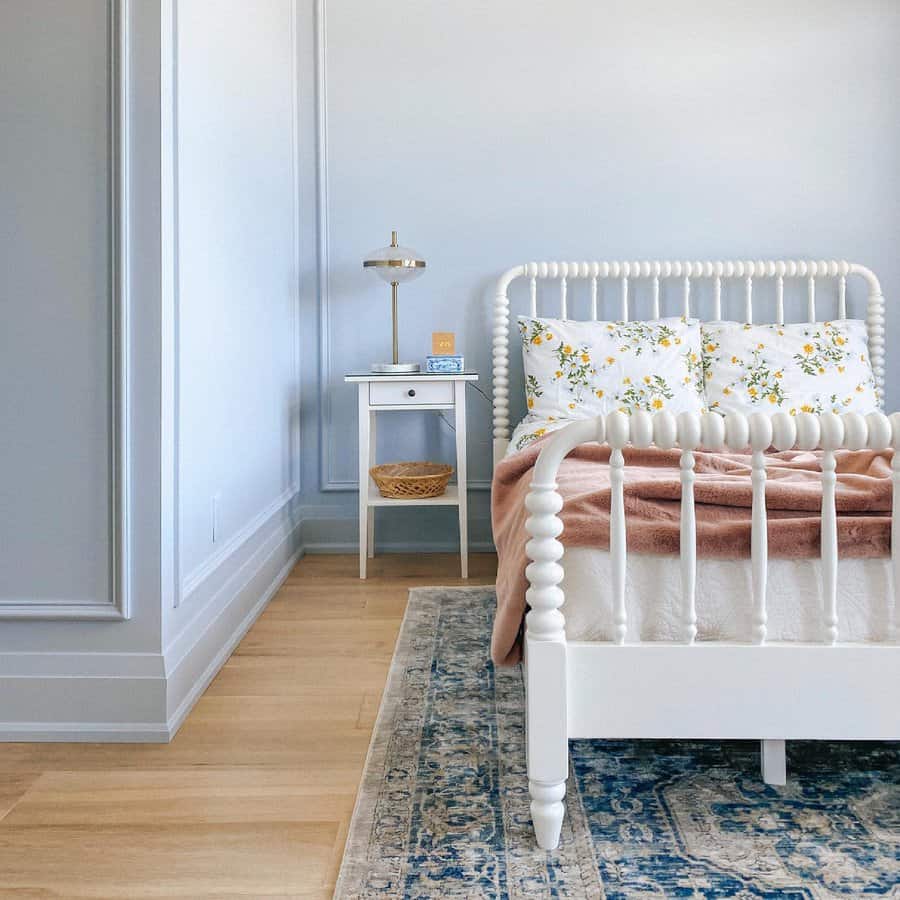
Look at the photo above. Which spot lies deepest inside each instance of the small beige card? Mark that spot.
(443, 343)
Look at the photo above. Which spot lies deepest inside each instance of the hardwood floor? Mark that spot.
(254, 796)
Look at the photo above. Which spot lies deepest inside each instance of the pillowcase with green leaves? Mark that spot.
(799, 367)
(576, 370)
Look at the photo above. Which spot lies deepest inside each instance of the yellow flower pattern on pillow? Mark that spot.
(574, 370)
(800, 367)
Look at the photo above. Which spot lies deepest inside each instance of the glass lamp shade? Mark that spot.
(395, 264)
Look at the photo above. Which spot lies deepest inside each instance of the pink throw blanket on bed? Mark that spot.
(722, 494)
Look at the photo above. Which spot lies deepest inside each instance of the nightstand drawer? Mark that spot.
(410, 393)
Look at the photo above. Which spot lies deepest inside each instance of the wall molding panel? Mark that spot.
(169, 351)
(117, 605)
(326, 483)
(325, 370)
(178, 585)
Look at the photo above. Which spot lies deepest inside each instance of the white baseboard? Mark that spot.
(143, 697)
(115, 706)
(84, 732)
(327, 530)
(325, 547)
(214, 641)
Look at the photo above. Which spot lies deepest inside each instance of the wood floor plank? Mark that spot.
(253, 797)
(13, 785)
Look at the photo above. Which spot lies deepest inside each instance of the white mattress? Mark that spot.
(724, 592)
(724, 598)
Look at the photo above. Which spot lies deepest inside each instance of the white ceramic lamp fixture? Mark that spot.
(395, 264)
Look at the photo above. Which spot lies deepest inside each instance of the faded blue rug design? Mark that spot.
(443, 805)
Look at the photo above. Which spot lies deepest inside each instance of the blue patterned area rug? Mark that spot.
(443, 805)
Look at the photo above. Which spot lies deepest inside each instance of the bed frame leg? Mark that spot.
(547, 740)
(774, 764)
(547, 812)
(546, 716)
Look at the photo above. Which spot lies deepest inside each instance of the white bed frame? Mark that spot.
(766, 690)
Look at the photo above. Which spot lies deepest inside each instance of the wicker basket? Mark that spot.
(411, 480)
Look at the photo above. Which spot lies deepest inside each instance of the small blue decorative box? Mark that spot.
(444, 365)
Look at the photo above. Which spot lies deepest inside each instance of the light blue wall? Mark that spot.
(236, 271)
(491, 134)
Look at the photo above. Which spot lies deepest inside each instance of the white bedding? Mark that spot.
(724, 590)
(531, 428)
(724, 598)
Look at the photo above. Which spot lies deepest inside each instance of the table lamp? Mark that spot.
(395, 264)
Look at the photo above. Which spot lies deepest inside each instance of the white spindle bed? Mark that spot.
(766, 690)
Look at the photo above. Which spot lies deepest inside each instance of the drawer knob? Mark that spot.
(411, 392)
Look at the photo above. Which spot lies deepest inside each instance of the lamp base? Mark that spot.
(395, 368)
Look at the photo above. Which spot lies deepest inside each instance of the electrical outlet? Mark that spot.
(214, 516)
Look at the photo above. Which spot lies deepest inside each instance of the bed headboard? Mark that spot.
(657, 271)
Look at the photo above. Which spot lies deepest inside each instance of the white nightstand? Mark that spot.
(382, 393)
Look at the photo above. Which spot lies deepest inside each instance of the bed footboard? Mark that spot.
(764, 690)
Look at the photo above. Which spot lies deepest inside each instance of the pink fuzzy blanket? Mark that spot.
(722, 494)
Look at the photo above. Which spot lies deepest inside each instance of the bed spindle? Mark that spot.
(779, 300)
(617, 434)
(688, 439)
(563, 298)
(748, 298)
(811, 298)
(842, 297)
(831, 438)
(687, 296)
(624, 298)
(533, 296)
(717, 297)
(759, 435)
(829, 546)
(594, 299)
(656, 296)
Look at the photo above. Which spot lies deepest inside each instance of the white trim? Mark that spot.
(85, 733)
(322, 247)
(169, 350)
(144, 684)
(296, 437)
(330, 530)
(120, 215)
(199, 683)
(117, 605)
(330, 548)
(47, 664)
(208, 567)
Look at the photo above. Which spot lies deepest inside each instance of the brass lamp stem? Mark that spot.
(394, 317)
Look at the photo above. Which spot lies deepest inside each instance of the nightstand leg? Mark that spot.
(372, 454)
(364, 449)
(460, 408)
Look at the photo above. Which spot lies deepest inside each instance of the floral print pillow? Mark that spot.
(800, 367)
(575, 370)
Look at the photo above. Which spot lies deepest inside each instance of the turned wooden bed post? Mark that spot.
(545, 641)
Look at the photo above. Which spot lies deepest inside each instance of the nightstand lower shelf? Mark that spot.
(449, 498)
